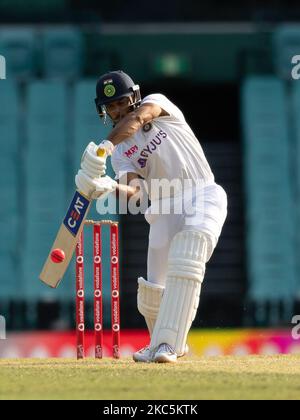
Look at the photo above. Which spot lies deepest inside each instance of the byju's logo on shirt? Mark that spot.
(132, 151)
(151, 147)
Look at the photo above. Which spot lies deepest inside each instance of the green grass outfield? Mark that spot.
(192, 378)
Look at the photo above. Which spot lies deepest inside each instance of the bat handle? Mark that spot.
(101, 152)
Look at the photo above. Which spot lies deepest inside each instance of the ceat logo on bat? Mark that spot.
(76, 213)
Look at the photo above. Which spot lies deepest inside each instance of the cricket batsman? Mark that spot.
(151, 140)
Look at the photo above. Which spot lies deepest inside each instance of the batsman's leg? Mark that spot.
(188, 255)
(148, 300)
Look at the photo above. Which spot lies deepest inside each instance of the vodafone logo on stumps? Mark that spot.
(114, 260)
(98, 294)
(98, 327)
(81, 327)
(80, 294)
(116, 327)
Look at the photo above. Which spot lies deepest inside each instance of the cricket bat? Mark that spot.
(67, 237)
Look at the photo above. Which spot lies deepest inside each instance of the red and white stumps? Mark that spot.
(115, 289)
(98, 303)
(80, 325)
(98, 289)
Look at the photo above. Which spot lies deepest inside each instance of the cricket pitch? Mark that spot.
(234, 378)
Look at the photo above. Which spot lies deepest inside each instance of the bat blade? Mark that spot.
(66, 240)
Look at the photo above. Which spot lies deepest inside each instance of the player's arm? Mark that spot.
(130, 124)
(128, 186)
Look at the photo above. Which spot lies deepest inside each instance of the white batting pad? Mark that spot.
(149, 299)
(186, 269)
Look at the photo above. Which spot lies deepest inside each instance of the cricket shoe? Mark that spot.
(145, 355)
(165, 354)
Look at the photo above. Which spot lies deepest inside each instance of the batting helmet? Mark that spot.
(113, 86)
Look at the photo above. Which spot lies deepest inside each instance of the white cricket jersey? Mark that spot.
(166, 148)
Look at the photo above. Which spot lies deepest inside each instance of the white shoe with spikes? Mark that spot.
(144, 355)
(165, 354)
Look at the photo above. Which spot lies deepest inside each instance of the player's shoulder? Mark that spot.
(156, 98)
(161, 100)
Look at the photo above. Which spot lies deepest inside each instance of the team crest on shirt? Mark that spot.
(147, 127)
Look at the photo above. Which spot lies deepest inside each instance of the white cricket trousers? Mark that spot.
(206, 215)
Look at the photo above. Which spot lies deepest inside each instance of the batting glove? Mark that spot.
(107, 146)
(93, 165)
(94, 187)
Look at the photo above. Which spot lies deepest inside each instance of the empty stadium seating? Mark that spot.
(19, 47)
(62, 52)
(286, 45)
(11, 209)
(269, 206)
